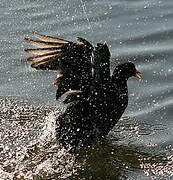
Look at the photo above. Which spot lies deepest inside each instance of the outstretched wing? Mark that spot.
(71, 59)
(100, 77)
(101, 64)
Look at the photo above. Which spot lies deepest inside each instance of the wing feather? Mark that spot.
(43, 58)
(101, 63)
(50, 39)
(43, 51)
(83, 41)
(43, 44)
(72, 59)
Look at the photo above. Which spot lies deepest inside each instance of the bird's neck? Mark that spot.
(120, 84)
(120, 97)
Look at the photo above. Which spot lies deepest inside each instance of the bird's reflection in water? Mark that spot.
(108, 161)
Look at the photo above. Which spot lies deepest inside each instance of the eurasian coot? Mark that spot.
(96, 100)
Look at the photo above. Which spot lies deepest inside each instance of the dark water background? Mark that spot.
(141, 144)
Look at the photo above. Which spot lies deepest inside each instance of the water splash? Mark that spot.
(30, 150)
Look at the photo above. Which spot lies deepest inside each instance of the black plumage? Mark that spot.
(96, 100)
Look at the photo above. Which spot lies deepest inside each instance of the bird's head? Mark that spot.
(125, 71)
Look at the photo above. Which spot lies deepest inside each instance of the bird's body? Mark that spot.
(96, 100)
(89, 119)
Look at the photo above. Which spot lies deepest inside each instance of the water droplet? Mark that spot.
(110, 7)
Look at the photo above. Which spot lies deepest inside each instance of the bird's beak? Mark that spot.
(137, 74)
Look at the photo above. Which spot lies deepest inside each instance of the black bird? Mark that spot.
(96, 100)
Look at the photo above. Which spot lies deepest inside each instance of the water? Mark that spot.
(140, 146)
